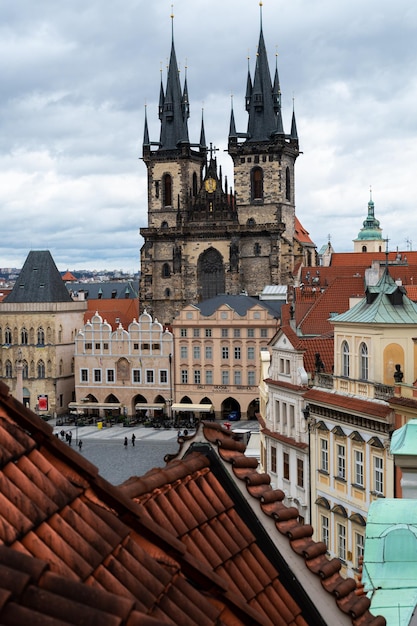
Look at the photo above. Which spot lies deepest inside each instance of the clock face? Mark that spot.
(210, 185)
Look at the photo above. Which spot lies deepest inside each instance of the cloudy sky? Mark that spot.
(76, 75)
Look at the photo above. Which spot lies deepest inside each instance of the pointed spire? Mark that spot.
(232, 127)
(203, 144)
(173, 106)
(262, 98)
(294, 134)
(146, 131)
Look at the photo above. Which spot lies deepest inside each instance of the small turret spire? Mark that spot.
(294, 134)
(146, 131)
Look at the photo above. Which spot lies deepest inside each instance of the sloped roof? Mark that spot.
(386, 303)
(240, 304)
(313, 313)
(181, 545)
(114, 312)
(106, 290)
(390, 568)
(39, 281)
(301, 234)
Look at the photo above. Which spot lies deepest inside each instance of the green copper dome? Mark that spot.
(371, 228)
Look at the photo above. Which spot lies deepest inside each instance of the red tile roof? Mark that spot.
(373, 408)
(114, 311)
(301, 234)
(176, 546)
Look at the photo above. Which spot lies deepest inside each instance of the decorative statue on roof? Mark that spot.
(319, 365)
(398, 374)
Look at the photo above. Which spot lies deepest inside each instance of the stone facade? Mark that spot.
(40, 337)
(201, 238)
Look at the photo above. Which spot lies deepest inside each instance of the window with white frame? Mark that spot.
(379, 474)
(225, 377)
(209, 352)
(207, 332)
(364, 362)
(324, 524)
(286, 466)
(97, 376)
(197, 377)
(184, 376)
(163, 376)
(358, 467)
(345, 358)
(264, 333)
(237, 377)
(237, 353)
(251, 353)
(236, 332)
(225, 352)
(136, 376)
(251, 332)
(84, 375)
(183, 352)
(324, 455)
(341, 461)
(284, 414)
(225, 332)
(196, 352)
(341, 541)
(183, 332)
(196, 332)
(359, 549)
(150, 377)
(209, 377)
(291, 409)
(251, 377)
(110, 376)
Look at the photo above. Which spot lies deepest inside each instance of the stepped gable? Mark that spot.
(180, 545)
(193, 497)
(39, 281)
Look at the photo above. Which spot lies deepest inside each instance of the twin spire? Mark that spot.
(262, 101)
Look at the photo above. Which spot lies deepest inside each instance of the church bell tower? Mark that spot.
(202, 238)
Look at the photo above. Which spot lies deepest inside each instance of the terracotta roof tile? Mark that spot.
(185, 544)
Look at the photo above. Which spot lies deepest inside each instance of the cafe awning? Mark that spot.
(144, 405)
(197, 408)
(94, 405)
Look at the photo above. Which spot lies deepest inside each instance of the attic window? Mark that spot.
(113, 293)
(42, 285)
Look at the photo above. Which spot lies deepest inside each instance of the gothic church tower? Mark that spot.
(201, 238)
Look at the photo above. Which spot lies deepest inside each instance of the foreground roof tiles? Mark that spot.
(195, 542)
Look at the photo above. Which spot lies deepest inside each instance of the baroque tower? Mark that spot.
(201, 238)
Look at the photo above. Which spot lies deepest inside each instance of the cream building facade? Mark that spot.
(38, 324)
(217, 349)
(123, 372)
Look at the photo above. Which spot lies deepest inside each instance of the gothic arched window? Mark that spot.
(41, 337)
(166, 270)
(24, 337)
(167, 190)
(195, 184)
(345, 359)
(257, 183)
(211, 276)
(41, 369)
(8, 336)
(9, 369)
(287, 184)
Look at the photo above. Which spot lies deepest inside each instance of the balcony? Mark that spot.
(361, 388)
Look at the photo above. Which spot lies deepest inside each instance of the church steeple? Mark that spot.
(174, 109)
(263, 100)
(369, 238)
